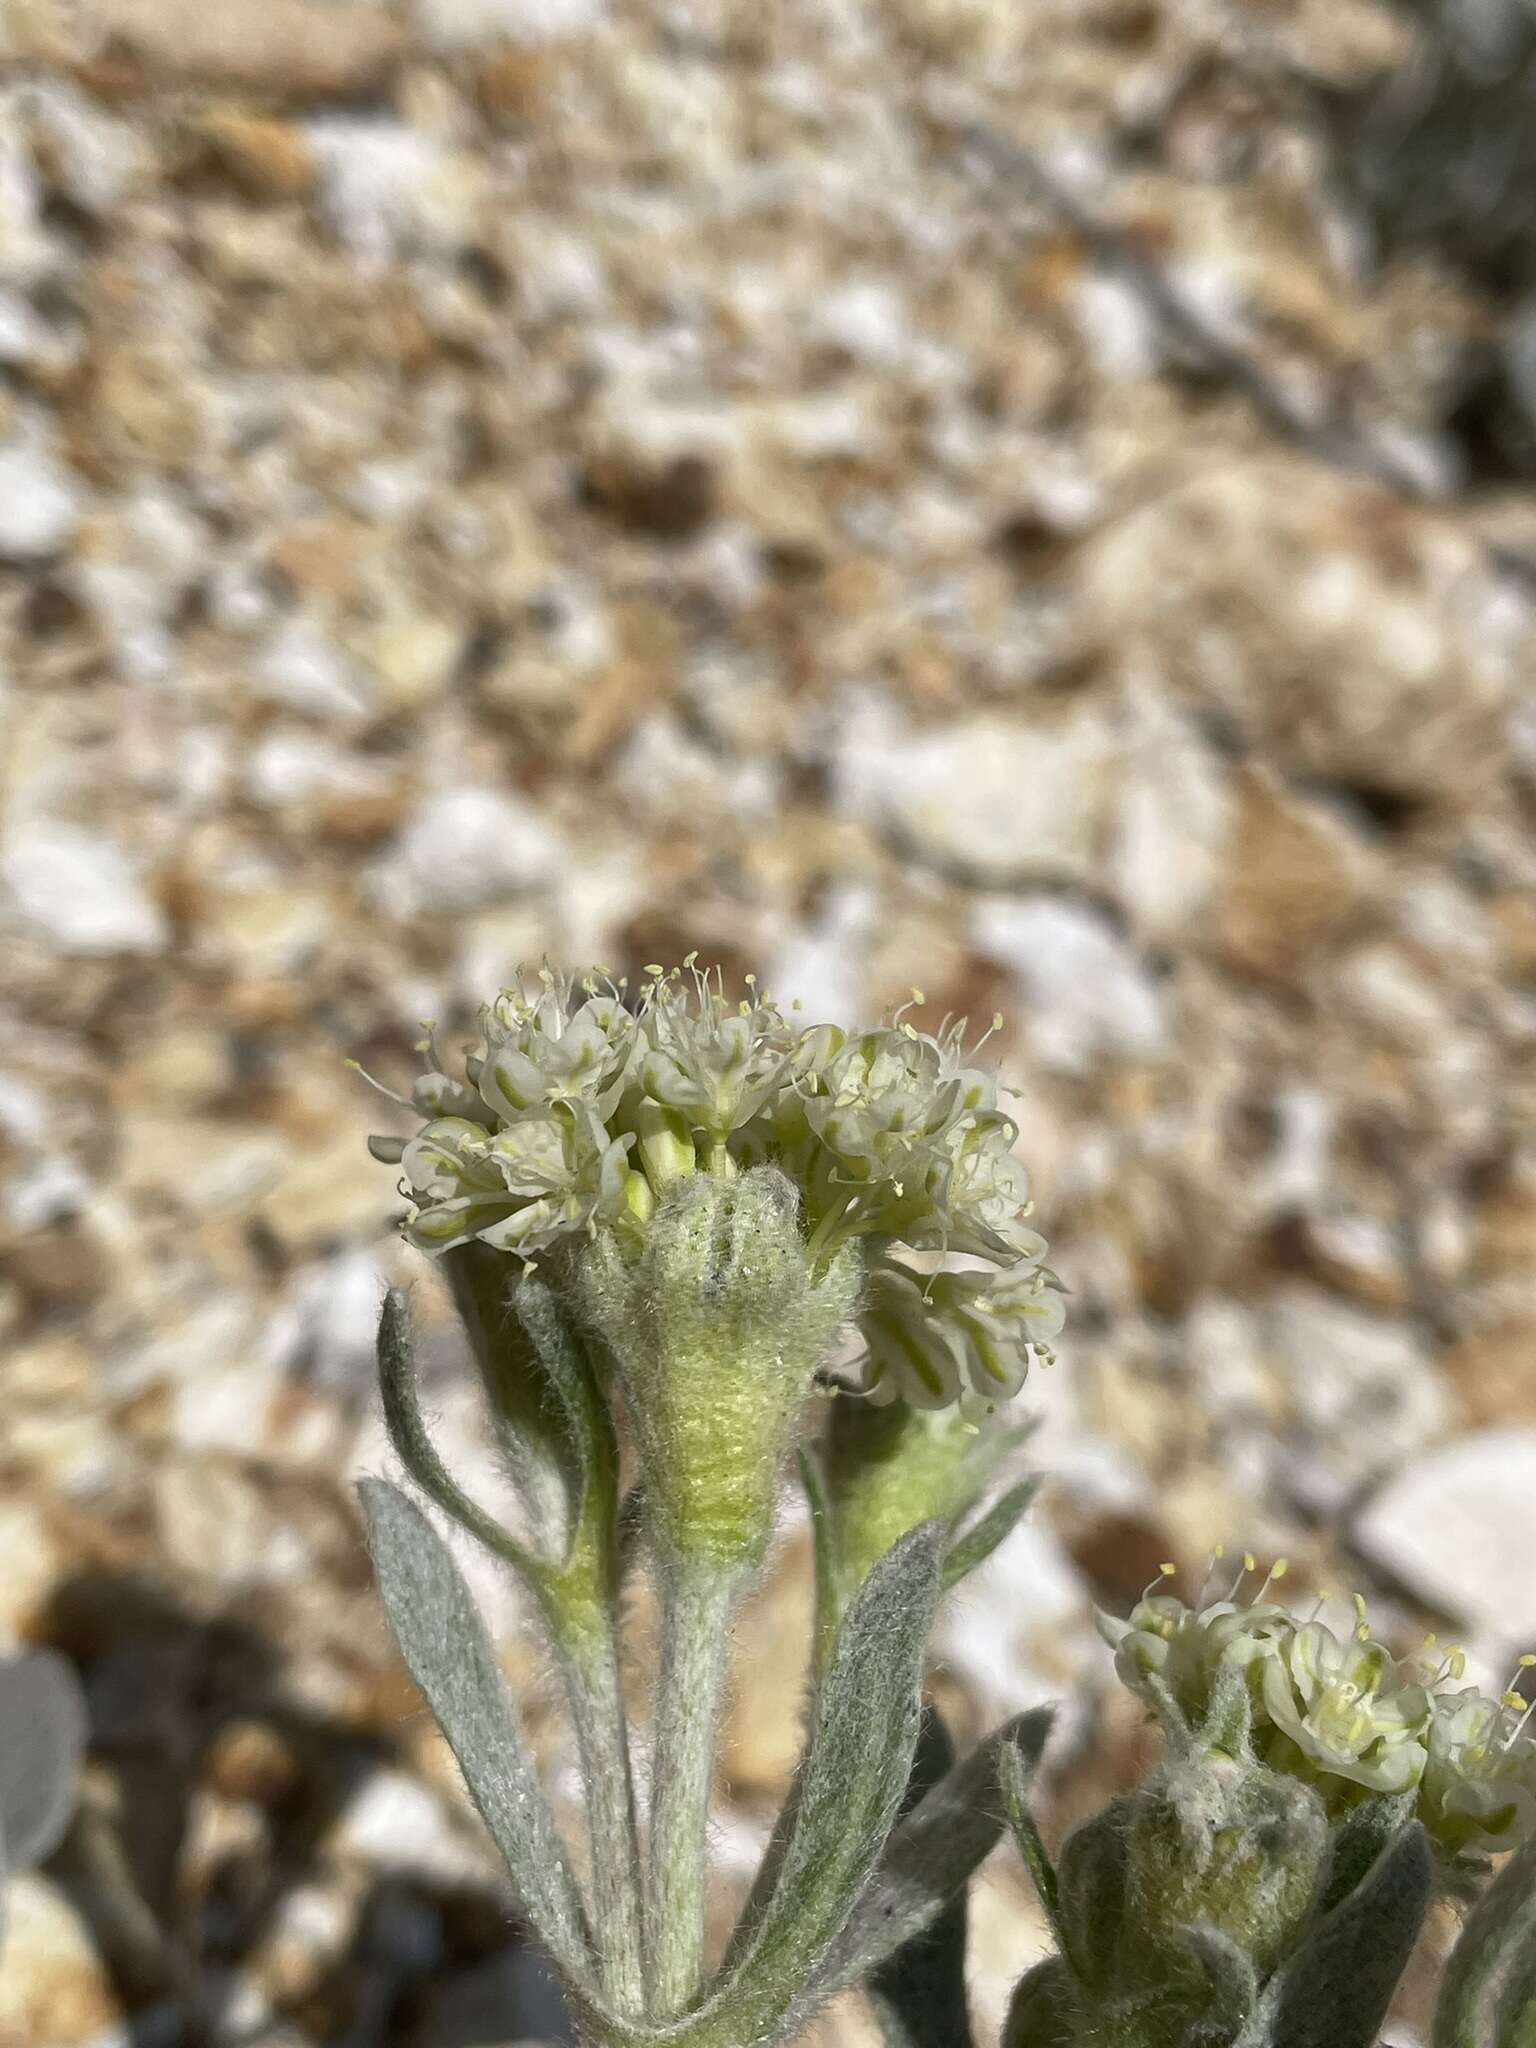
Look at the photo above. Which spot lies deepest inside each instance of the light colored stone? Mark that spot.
(1360, 1388)
(469, 24)
(466, 847)
(302, 668)
(388, 189)
(1085, 997)
(1458, 1526)
(291, 47)
(994, 800)
(40, 504)
(80, 889)
(1358, 638)
(55, 1986)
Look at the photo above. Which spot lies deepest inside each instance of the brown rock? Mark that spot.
(1492, 1372)
(266, 157)
(1358, 638)
(293, 48)
(674, 500)
(1296, 883)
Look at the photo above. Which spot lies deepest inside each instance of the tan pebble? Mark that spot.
(268, 158)
(55, 1987)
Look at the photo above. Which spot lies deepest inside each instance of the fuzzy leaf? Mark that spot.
(448, 1653)
(1015, 1772)
(415, 1449)
(1040, 2015)
(844, 1801)
(1229, 1717)
(1090, 1899)
(1365, 1832)
(551, 1421)
(1230, 1986)
(918, 1993)
(1488, 1993)
(1335, 1991)
(934, 1851)
(42, 1741)
(973, 1546)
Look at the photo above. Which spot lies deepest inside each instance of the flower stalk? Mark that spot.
(675, 1222)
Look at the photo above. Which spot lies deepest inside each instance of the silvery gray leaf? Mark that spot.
(917, 1994)
(844, 1801)
(973, 1546)
(934, 1850)
(42, 1741)
(448, 1653)
(1488, 1992)
(1334, 1993)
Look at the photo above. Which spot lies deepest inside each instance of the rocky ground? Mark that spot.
(482, 479)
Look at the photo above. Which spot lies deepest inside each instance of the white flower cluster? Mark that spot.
(1344, 1715)
(578, 1110)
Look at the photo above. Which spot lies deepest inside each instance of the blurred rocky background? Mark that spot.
(1026, 499)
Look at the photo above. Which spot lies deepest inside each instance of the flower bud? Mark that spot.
(718, 1328)
(1226, 1844)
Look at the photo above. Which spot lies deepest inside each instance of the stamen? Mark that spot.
(1217, 1555)
(357, 1067)
(1276, 1572)
(1165, 1570)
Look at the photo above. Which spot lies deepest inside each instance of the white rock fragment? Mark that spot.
(388, 190)
(1085, 994)
(1020, 1620)
(81, 890)
(302, 669)
(1458, 1526)
(868, 322)
(996, 800)
(397, 1823)
(467, 24)
(467, 847)
(1361, 1388)
(39, 504)
(823, 966)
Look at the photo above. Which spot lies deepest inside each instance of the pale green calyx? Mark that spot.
(718, 1329)
(581, 1108)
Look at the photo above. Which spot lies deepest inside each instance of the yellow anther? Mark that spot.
(1167, 1569)
(1528, 1661)
(1280, 1567)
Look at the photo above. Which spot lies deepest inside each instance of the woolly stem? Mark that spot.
(591, 1669)
(698, 1598)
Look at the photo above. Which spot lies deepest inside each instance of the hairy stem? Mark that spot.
(602, 1738)
(697, 1601)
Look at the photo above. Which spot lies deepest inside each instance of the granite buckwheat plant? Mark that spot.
(709, 1235)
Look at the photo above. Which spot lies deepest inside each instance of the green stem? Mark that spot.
(591, 1665)
(698, 1598)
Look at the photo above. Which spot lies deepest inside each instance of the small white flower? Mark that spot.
(580, 1112)
(1345, 1708)
(1479, 1786)
(543, 1050)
